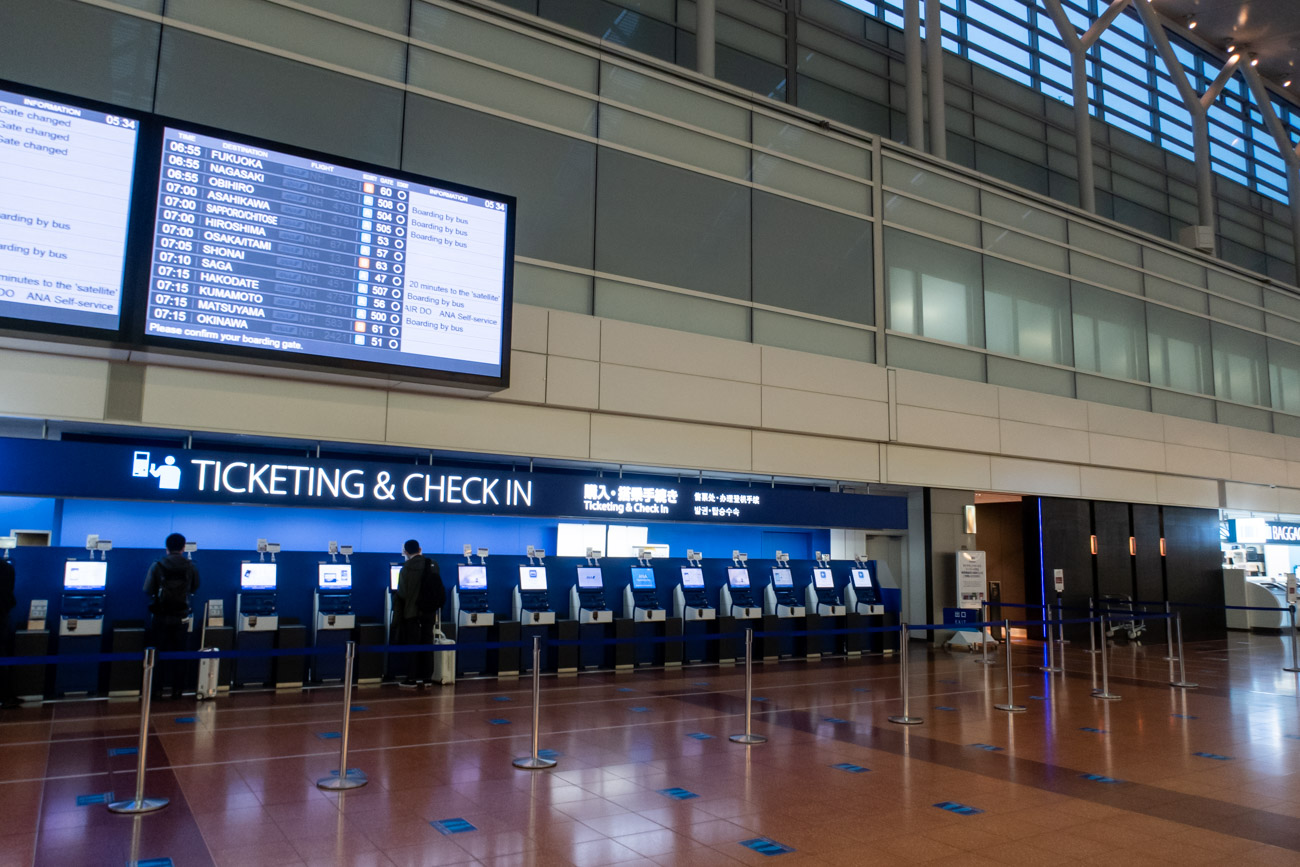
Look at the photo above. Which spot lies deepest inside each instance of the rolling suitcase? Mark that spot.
(208, 668)
(444, 661)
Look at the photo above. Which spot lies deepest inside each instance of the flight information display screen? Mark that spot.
(781, 577)
(589, 578)
(66, 174)
(643, 578)
(280, 256)
(738, 578)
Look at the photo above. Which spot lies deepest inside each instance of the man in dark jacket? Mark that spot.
(169, 585)
(7, 603)
(420, 605)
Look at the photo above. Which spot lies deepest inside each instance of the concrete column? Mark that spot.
(706, 20)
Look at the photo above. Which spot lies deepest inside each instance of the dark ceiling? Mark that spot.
(1270, 29)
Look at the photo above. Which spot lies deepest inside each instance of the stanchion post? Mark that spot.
(1105, 692)
(1011, 706)
(1182, 682)
(1169, 639)
(1060, 629)
(535, 762)
(1295, 654)
(749, 737)
(906, 718)
(986, 634)
(348, 778)
(141, 804)
(1051, 666)
(1092, 637)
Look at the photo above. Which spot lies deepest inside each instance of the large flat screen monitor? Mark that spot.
(85, 575)
(394, 573)
(692, 576)
(643, 578)
(738, 578)
(290, 256)
(823, 580)
(589, 578)
(257, 576)
(334, 576)
(66, 178)
(472, 578)
(532, 577)
(781, 577)
(862, 579)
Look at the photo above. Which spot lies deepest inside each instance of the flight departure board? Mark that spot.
(66, 175)
(280, 255)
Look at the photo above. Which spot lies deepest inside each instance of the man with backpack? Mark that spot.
(420, 590)
(169, 585)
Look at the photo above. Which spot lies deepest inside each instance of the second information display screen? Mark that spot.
(258, 249)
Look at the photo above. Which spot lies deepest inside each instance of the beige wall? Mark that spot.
(586, 388)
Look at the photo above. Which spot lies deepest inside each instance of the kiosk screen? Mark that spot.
(782, 578)
(532, 577)
(85, 575)
(692, 576)
(589, 578)
(862, 579)
(334, 576)
(738, 578)
(643, 578)
(257, 576)
(472, 578)
(822, 579)
(394, 572)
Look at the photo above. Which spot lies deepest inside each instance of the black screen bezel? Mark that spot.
(115, 337)
(149, 167)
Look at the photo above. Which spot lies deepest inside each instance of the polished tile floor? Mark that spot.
(1209, 776)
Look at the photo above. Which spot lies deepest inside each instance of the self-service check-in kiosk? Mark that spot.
(862, 596)
(334, 619)
(690, 602)
(81, 623)
(821, 594)
(640, 598)
(531, 605)
(469, 599)
(256, 617)
(587, 597)
(737, 596)
(779, 596)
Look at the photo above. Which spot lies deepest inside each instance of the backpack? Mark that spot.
(173, 590)
(432, 595)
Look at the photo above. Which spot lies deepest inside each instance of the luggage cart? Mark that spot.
(1132, 628)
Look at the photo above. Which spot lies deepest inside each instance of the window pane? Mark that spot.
(1239, 365)
(1027, 312)
(934, 289)
(1178, 346)
(1109, 333)
(1284, 375)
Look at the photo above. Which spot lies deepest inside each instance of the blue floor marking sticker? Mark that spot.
(678, 794)
(499, 722)
(861, 689)
(948, 681)
(351, 772)
(358, 708)
(1098, 778)
(502, 698)
(626, 689)
(123, 751)
(943, 707)
(700, 736)
(186, 720)
(549, 754)
(1039, 697)
(700, 683)
(833, 719)
(766, 846)
(329, 736)
(155, 862)
(1213, 756)
(453, 826)
(1093, 730)
(959, 809)
(639, 709)
(989, 747)
(1182, 716)
(87, 800)
(759, 698)
(851, 768)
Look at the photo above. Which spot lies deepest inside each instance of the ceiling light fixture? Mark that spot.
(1191, 22)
